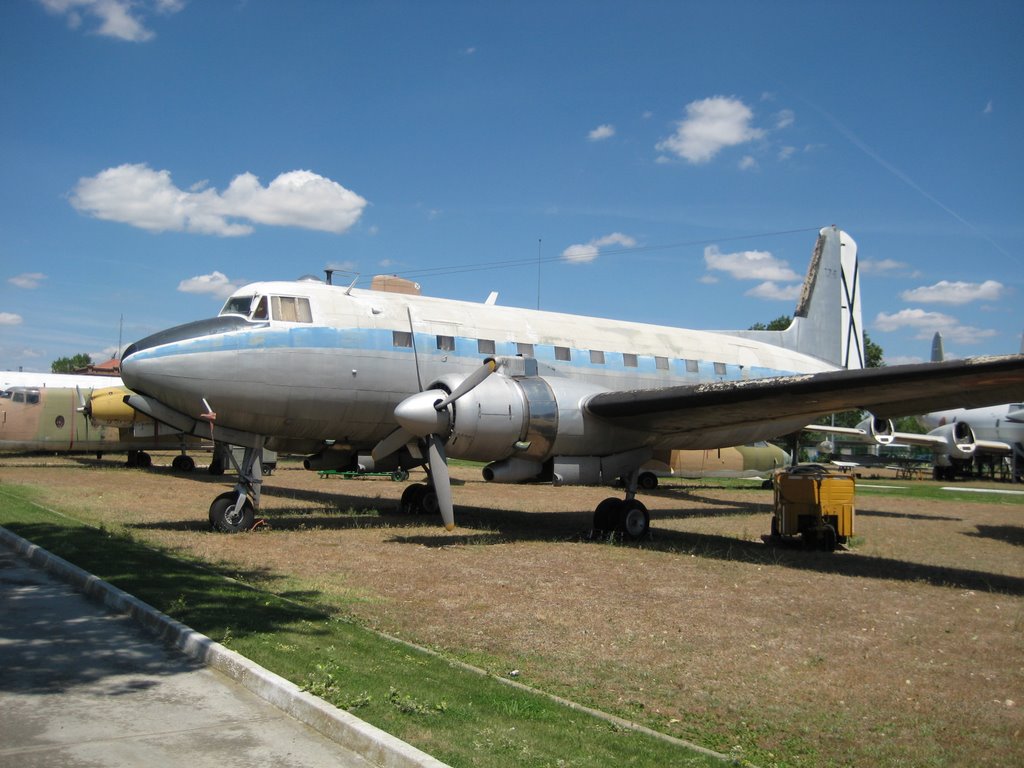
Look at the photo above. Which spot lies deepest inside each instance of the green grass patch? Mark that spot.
(934, 492)
(459, 717)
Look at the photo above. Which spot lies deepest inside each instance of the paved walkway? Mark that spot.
(82, 687)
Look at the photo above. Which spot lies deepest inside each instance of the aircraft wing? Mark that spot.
(796, 400)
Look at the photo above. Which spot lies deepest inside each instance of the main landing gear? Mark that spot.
(235, 510)
(626, 516)
(419, 499)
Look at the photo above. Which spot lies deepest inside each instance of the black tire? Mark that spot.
(429, 504)
(225, 518)
(183, 463)
(606, 515)
(411, 496)
(400, 475)
(634, 520)
(828, 540)
(144, 460)
(648, 481)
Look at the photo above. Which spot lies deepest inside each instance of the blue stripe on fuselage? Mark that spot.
(382, 340)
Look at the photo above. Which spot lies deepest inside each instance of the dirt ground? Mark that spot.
(906, 650)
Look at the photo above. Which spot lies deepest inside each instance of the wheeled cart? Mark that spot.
(815, 504)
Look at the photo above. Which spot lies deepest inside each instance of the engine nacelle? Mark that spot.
(513, 470)
(959, 439)
(328, 458)
(528, 417)
(880, 430)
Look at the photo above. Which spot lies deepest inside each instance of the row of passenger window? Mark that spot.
(403, 339)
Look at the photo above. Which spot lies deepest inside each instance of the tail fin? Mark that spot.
(827, 320)
(938, 352)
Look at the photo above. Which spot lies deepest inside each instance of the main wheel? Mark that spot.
(183, 463)
(225, 515)
(648, 481)
(634, 519)
(606, 515)
(411, 499)
(429, 504)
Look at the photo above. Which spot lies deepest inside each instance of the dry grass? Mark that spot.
(908, 650)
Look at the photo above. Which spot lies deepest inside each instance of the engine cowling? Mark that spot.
(526, 417)
(880, 430)
(959, 439)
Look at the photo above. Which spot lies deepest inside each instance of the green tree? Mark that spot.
(70, 364)
(780, 323)
(873, 358)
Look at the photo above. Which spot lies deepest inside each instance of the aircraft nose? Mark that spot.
(161, 345)
(193, 330)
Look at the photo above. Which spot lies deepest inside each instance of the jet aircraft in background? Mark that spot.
(957, 437)
(411, 380)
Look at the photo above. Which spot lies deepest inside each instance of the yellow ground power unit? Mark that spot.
(814, 503)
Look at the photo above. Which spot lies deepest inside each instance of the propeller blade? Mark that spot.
(442, 482)
(391, 444)
(470, 382)
(83, 404)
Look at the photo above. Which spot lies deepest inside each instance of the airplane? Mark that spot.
(90, 419)
(957, 436)
(540, 396)
(752, 461)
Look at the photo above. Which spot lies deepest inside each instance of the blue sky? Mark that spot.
(664, 162)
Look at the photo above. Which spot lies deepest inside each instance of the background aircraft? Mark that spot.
(960, 439)
(559, 397)
(79, 419)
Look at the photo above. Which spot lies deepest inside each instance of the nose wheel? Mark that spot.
(235, 510)
(232, 513)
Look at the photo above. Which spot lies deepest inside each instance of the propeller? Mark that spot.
(84, 406)
(425, 415)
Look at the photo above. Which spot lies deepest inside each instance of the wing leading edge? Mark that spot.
(887, 392)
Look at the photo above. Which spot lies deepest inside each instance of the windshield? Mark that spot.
(237, 305)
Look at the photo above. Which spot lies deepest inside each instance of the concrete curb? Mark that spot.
(371, 742)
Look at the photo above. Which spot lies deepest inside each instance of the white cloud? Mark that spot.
(749, 265)
(710, 125)
(9, 318)
(747, 162)
(117, 18)
(786, 152)
(584, 253)
(772, 290)
(945, 292)
(785, 118)
(927, 323)
(148, 199)
(602, 132)
(988, 108)
(215, 284)
(27, 280)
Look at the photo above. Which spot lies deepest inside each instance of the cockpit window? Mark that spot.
(261, 312)
(291, 309)
(238, 305)
(23, 395)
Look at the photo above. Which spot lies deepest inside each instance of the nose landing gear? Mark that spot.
(235, 511)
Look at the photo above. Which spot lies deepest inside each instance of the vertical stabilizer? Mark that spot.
(938, 352)
(827, 322)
